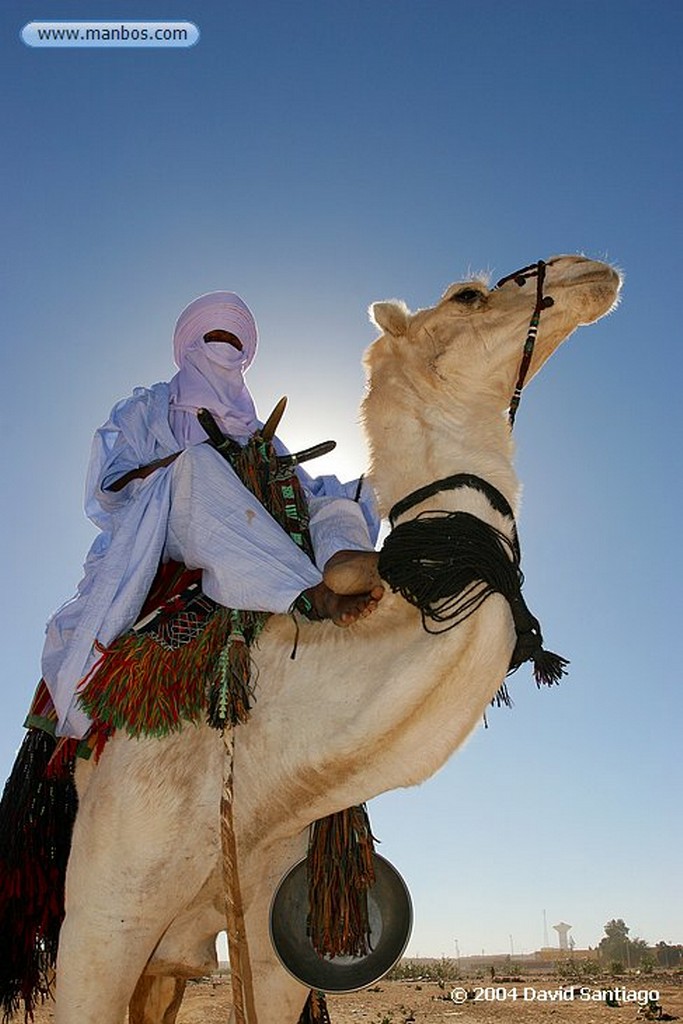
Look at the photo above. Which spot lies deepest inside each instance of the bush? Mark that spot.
(442, 970)
(577, 972)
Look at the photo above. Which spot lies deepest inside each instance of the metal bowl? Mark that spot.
(390, 913)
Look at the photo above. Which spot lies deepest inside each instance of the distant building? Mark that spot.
(563, 929)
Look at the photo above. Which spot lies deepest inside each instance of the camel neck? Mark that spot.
(439, 442)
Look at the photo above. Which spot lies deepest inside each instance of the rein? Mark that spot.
(520, 277)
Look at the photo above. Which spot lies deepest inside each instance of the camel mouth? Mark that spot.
(585, 271)
(601, 291)
(607, 276)
(600, 282)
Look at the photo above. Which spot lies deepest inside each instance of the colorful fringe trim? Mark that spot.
(340, 873)
(148, 690)
(42, 715)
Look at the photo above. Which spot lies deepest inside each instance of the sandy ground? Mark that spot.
(399, 1002)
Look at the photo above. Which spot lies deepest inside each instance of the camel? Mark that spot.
(359, 711)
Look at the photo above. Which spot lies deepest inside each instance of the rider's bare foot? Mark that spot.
(343, 609)
(353, 572)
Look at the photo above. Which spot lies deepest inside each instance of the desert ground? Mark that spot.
(401, 1002)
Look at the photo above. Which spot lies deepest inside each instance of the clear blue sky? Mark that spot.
(316, 156)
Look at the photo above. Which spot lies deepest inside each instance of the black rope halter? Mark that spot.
(520, 277)
(447, 564)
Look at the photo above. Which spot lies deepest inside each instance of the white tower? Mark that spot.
(563, 930)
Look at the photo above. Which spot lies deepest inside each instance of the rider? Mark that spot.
(156, 492)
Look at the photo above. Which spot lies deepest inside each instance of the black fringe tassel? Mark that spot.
(447, 564)
(37, 813)
(315, 1010)
(548, 667)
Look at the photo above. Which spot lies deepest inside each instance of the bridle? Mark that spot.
(447, 564)
(520, 277)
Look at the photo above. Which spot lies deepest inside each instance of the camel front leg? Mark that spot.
(97, 969)
(143, 845)
(156, 1000)
(278, 997)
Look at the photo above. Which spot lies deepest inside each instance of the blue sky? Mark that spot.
(316, 156)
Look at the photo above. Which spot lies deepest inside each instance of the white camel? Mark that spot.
(359, 711)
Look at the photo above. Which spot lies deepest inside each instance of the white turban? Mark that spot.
(210, 373)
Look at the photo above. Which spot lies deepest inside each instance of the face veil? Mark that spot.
(210, 375)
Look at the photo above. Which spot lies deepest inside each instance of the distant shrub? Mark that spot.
(577, 971)
(440, 971)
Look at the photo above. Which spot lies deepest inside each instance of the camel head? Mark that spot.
(473, 337)
(440, 380)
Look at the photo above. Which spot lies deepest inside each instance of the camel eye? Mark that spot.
(467, 296)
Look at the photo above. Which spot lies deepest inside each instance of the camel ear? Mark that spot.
(391, 317)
